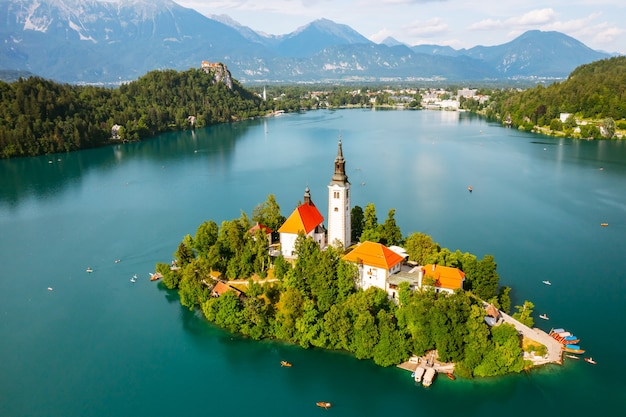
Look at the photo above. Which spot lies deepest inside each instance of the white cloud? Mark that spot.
(534, 17)
(430, 28)
(381, 35)
(487, 24)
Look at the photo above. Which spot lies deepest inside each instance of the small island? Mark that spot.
(358, 286)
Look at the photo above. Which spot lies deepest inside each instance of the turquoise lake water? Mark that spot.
(99, 345)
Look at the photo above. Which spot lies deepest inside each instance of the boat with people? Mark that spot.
(89, 270)
(156, 276)
(544, 316)
(590, 360)
(546, 282)
(323, 404)
(470, 189)
(285, 363)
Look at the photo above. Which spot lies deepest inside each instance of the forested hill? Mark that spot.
(38, 116)
(595, 91)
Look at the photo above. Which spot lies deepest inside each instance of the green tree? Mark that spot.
(205, 237)
(269, 215)
(371, 231)
(184, 254)
(390, 233)
(485, 283)
(357, 223)
(392, 347)
(420, 247)
(224, 311)
(524, 314)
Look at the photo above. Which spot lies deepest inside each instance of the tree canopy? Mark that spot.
(313, 300)
(39, 116)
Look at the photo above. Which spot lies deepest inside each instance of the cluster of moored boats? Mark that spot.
(426, 376)
(570, 344)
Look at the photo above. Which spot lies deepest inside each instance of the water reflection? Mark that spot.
(48, 175)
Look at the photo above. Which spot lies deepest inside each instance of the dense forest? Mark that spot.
(313, 301)
(39, 116)
(595, 91)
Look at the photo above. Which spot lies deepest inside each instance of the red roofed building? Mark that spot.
(221, 288)
(376, 263)
(444, 278)
(306, 219)
(268, 232)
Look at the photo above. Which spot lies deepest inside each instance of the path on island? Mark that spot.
(555, 352)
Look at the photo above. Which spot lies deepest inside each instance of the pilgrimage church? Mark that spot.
(379, 266)
(307, 219)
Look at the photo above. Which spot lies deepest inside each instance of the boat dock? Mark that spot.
(555, 352)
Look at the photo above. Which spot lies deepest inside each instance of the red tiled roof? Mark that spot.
(220, 288)
(304, 218)
(260, 226)
(374, 254)
(445, 276)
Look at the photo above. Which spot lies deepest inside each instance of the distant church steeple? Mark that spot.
(340, 177)
(339, 227)
(307, 195)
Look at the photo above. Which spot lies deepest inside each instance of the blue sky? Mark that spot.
(600, 24)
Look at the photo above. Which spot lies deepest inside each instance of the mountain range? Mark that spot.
(91, 41)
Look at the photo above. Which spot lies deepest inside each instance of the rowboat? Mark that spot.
(573, 357)
(573, 349)
(89, 270)
(156, 276)
(604, 224)
(590, 360)
(285, 363)
(323, 404)
(451, 376)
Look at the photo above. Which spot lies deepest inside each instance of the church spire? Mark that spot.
(340, 177)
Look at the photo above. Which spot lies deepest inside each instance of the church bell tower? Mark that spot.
(339, 227)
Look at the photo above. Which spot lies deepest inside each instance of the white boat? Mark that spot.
(544, 316)
(418, 374)
(547, 282)
(89, 270)
(429, 376)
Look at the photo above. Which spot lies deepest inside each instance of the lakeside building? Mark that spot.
(385, 268)
(307, 219)
(339, 222)
(376, 263)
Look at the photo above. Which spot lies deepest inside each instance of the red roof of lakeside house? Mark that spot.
(374, 254)
(304, 218)
(260, 226)
(445, 276)
(220, 288)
